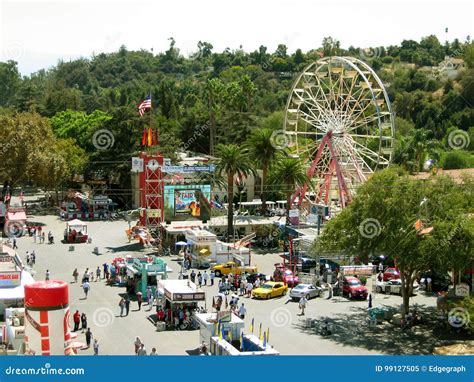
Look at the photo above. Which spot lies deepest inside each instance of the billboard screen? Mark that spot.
(183, 202)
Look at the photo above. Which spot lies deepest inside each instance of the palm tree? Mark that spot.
(288, 174)
(263, 152)
(233, 160)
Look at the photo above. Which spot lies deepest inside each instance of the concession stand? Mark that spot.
(15, 221)
(76, 231)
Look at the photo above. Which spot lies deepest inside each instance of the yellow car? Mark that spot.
(270, 289)
(231, 267)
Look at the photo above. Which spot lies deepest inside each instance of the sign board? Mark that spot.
(5, 258)
(294, 213)
(186, 169)
(320, 209)
(10, 279)
(224, 316)
(183, 202)
(153, 213)
(137, 164)
(462, 290)
(200, 296)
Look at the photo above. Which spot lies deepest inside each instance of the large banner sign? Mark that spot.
(183, 202)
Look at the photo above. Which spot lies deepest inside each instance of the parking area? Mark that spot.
(289, 332)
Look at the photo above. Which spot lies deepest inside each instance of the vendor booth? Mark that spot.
(180, 299)
(15, 221)
(76, 231)
(13, 279)
(202, 246)
(145, 271)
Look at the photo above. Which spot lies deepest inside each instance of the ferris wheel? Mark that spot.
(340, 122)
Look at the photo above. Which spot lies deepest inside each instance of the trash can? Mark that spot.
(71, 248)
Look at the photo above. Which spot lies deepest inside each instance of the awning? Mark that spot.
(16, 216)
(17, 293)
(76, 223)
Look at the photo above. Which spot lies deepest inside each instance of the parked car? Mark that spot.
(251, 277)
(231, 267)
(394, 286)
(391, 273)
(286, 275)
(270, 289)
(308, 290)
(353, 288)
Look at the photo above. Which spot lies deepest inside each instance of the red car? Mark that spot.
(391, 274)
(353, 288)
(286, 275)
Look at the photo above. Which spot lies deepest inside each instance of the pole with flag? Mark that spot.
(260, 332)
(265, 340)
(242, 341)
(251, 325)
(268, 334)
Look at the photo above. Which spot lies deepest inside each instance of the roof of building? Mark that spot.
(456, 175)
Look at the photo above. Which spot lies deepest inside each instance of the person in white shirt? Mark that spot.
(302, 304)
(257, 282)
(242, 311)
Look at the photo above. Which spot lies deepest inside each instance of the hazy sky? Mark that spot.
(36, 33)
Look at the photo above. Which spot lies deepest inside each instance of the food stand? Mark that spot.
(202, 246)
(15, 221)
(179, 295)
(76, 231)
(145, 271)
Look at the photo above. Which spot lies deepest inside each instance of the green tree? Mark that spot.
(10, 81)
(233, 161)
(263, 152)
(288, 175)
(382, 216)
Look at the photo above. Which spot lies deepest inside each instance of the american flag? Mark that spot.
(144, 105)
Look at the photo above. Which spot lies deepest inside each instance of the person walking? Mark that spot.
(14, 243)
(141, 350)
(43, 237)
(96, 347)
(153, 351)
(127, 305)
(193, 276)
(86, 287)
(370, 300)
(242, 311)
(85, 277)
(97, 274)
(199, 277)
(302, 304)
(122, 306)
(205, 277)
(249, 289)
(212, 276)
(88, 337)
(77, 319)
(139, 300)
(138, 344)
(47, 275)
(33, 258)
(428, 284)
(83, 322)
(27, 258)
(75, 274)
(106, 270)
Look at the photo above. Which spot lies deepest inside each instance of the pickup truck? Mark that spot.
(232, 268)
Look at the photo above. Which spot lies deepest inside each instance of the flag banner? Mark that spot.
(371, 368)
(144, 105)
(150, 136)
(144, 137)
(155, 137)
(251, 325)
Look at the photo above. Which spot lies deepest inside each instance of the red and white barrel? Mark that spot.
(47, 317)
